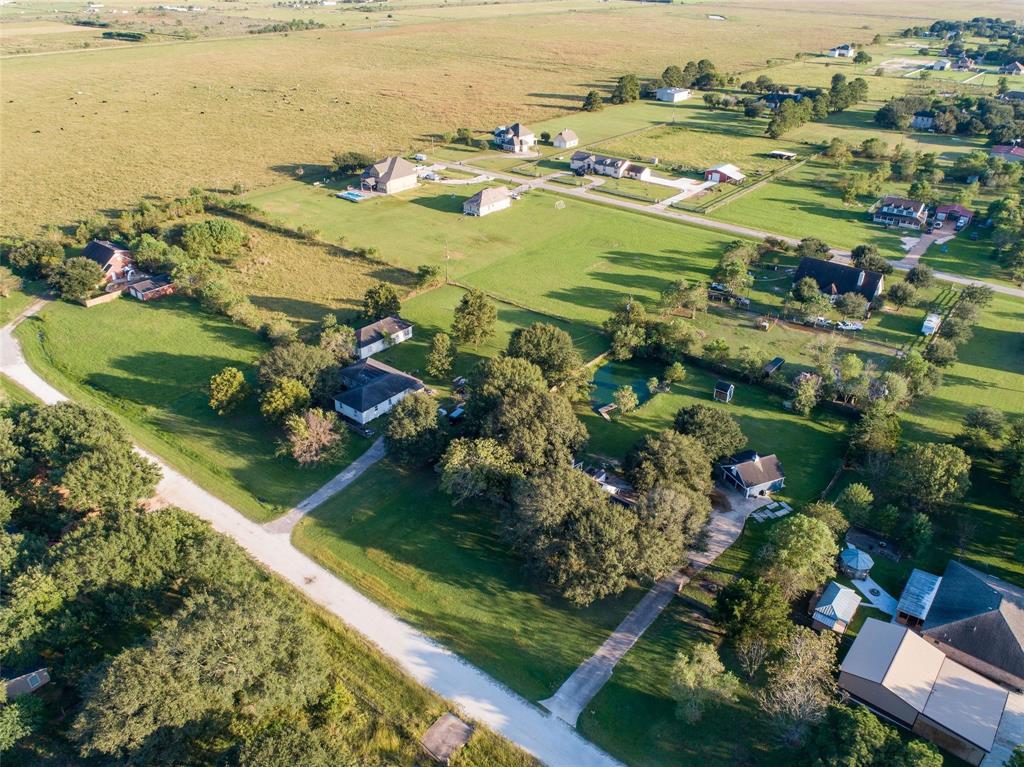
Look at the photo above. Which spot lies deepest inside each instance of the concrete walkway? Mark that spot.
(472, 692)
(587, 680)
(284, 524)
(884, 601)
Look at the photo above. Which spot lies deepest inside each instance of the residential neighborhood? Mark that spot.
(535, 401)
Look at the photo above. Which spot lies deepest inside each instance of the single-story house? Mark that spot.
(901, 676)
(636, 171)
(724, 391)
(1008, 152)
(923, 120)
(115, 261)
(844, 51)
(371, 389)
(487, 201)
(931, 324)
(941, 65)
(958, 214)
(836, 279)
(902, 212)
(672, 95)
(389, 176)
(978, 620)
(753, 474)
(1013, 96)
(854, 563)
(835, 608)
(515, 138)
(917, 597)
(775, 100)
(27, 683)
(782, 154)
(964, 64)
(587, 162)
(382, 334)
(566, 139)
(149, 289)
(1013, 68)
(724, 173)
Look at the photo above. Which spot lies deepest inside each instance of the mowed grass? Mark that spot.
(431, 313)
(150, 364)
(397, 538)
(811, 449)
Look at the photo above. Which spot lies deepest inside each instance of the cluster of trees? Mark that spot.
(957, 326)
(701, 75)
(968, 115)
(74, 278)
(987, 432)
(995, 30)
(166, 644)
(817, 104)
(295, 25)
(991, 172)
(514, 451)
(1007, 217)
(900, 164)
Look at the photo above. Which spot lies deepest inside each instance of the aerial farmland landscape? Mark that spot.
(580, 383)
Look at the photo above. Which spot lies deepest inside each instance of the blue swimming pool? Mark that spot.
(352, 196)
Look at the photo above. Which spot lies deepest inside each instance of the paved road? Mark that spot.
(470, 690)
(284, 524)
(587, 680)
(841, 256)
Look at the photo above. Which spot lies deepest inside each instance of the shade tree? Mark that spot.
(699, 680)
(713, 427)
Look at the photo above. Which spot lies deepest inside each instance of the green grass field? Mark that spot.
(150, 364)
(811, 449)
(399, 540)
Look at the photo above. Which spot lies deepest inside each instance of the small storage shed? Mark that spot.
(724, 391)
(782, 154)
(854, 563)
(772, 367)
(835, 608)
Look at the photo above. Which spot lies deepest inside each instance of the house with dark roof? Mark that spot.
(753, 474)
(371, 389)
(978, 620)
(1013, 68)
(923, 120)
(1013, 96)
(844, 51)
(836, 279)
(382, 334)
(515, 138)
(389, 176)
(115, 261)
(773, 101)
(835, 608)
(151, 288)
(902, 212)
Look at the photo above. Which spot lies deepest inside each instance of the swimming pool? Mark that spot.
(352, 196)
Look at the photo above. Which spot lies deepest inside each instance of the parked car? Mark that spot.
(844, 325)
(420, 157)
(818, 322)
(720, 287)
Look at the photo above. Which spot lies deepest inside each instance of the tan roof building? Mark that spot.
(390, 175)
(487, 201)
(904, 677)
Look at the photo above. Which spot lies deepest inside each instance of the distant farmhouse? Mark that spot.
(923, 120)
(515, 138)
(672, 95)
(941, 65)
(115, 261)
(844, 51)
(775, 100)
(602, 165)
(963, 64)
(382, 334)
(724, 173)
(900, 675)
(566, 139)
(1013, 96)
(901, 212)
(487, 201)
(371, 389)
(1013, 68)
(753, 474)
(389, 176)
(1007, 152)
(836, 279)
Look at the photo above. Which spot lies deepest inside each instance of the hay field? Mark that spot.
(98, 129)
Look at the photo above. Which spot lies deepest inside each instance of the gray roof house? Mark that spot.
(371, 389)
(753, 474)
(978, 620)
(835, 608)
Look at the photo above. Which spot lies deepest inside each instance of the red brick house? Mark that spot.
(116, 262)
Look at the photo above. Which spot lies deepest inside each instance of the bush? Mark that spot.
(77, 278)
(36, 257)
(228, 389)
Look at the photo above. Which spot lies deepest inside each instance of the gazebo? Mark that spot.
(854, 563)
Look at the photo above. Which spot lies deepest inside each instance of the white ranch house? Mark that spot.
(382, 334)
(487, 201)
(371, 389)
(672, 95)
(566, 139)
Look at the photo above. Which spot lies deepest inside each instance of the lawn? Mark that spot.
(971, 258)
(400, 541)
(811, 449)
(431, 312)
(18, 300)
(635, 190)
(150, 364)
(13, 392)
